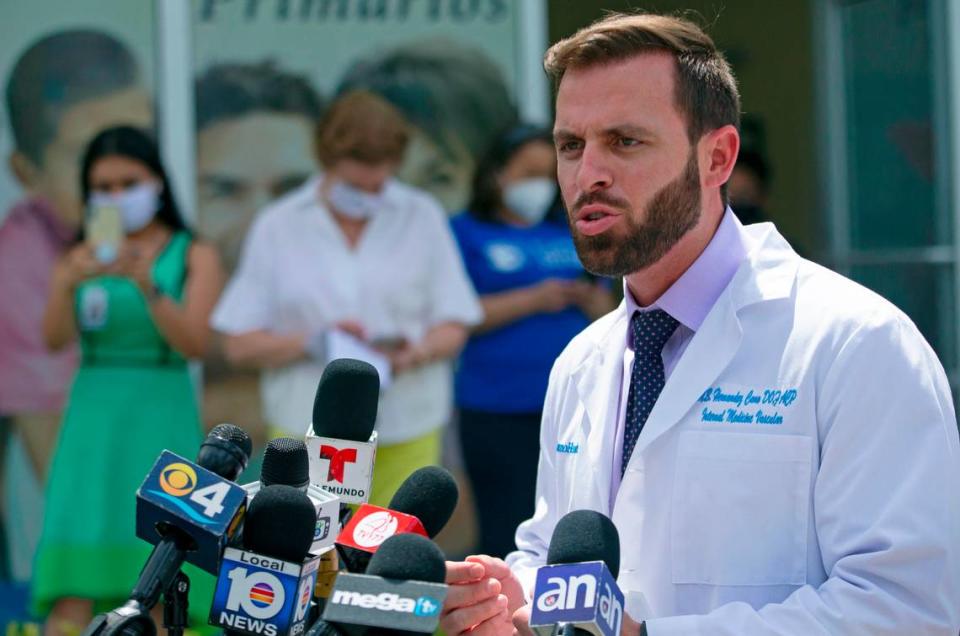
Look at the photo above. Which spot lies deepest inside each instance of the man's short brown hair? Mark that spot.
(706, 91)
(362, 126)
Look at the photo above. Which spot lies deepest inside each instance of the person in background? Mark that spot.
(452, 96)
(60, 92)
(254, 124)
(139, 315)
(536, 297)
(354, 251)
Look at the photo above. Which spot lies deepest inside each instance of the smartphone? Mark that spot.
(104, 231)
(394, 343)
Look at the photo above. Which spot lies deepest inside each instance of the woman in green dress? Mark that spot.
(140, 310)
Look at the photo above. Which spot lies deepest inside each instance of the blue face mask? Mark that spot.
(138, 205)
(354, 203)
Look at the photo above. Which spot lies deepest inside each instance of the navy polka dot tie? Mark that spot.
(651, 330)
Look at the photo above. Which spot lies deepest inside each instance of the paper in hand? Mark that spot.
(340, 344)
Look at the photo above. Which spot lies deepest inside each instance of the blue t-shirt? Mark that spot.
(506, 370)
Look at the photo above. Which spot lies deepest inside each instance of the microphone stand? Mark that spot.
(160, 575)
(175, 603)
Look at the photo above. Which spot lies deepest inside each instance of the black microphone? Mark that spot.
(430, 494)
(576, 592)
(285, 462)
(179, 536)
(423, 504)
(585, 535)
(265, 588)
(341, 440)
(226, 451)
(279, 523)
(402, 592)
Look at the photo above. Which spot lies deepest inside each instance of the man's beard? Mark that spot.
(672, 212)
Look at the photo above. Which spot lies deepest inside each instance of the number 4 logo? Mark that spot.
(211, 498)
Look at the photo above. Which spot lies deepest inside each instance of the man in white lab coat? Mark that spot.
(776, 445)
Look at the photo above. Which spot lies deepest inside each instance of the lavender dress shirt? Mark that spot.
(689, 300)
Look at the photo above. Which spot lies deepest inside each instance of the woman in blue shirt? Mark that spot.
(536, 296)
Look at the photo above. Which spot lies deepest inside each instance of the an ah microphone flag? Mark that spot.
(582, 594)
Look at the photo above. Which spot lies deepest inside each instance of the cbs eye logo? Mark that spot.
(178, 479)
(260, 595)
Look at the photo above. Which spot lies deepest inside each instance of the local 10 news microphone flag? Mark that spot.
(577, 589)
(402, 592)
(188, 511)
(285, 462)
(341, 441)
(422, 505)
(265, 589)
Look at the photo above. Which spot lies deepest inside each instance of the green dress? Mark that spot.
(132, 398)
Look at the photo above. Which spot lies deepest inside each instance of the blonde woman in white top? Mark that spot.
(356, 251)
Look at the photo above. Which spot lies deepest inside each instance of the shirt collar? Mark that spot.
(691, 297)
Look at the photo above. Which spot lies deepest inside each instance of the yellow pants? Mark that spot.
(395, 462)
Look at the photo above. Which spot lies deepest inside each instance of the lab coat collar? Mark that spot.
(767, 274)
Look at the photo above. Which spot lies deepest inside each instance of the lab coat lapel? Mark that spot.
(597, 381)
(707, 355)
(768, 273)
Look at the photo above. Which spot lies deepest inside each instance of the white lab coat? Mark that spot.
(836, 511)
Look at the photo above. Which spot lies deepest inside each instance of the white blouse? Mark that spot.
(297, 274)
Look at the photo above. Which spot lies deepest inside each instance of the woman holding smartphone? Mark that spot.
(139, 309)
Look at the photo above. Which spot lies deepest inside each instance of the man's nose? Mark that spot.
(594, 172)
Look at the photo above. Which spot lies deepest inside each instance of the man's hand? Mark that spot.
(482, 597)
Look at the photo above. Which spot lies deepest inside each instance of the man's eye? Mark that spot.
(628, 142)
(569, 146)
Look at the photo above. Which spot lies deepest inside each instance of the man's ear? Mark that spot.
(719, 150)
(26, 172)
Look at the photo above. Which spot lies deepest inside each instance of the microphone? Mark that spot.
(402, 592)
(265, 588)
(195, 506)
(188, 511)
(226, 451)
(577, 588)
(341, 440)
(422, 505)
(285, 462)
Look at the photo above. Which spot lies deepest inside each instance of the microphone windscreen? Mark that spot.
(408, 557)
(225, 451)
(585, 535)
(430, 494)
(285, 461)
(280, 523)
(345, 406)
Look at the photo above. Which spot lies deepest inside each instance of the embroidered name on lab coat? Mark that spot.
(729, 405)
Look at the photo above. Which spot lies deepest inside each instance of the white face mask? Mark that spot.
(138, 205)
(530, 199)
(354, 203)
